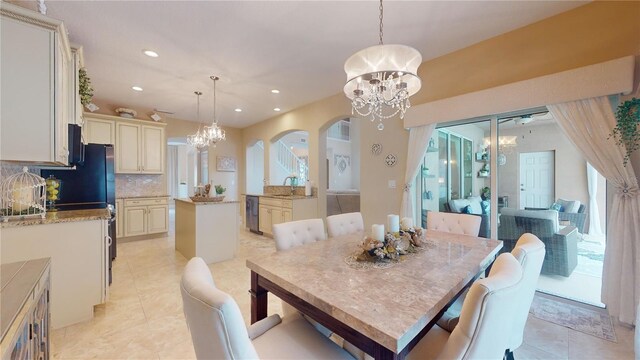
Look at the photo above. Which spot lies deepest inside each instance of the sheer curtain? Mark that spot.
(588, 124)
(418, 142)
(594, 212)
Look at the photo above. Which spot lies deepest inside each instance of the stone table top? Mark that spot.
(53, 217)
(390, 306)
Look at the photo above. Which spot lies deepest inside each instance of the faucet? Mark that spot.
(285, 182)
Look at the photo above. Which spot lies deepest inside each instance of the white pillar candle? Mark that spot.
(406, 222)
(393, 223)
(377, 232)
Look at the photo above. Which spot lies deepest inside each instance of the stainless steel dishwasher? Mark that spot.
(252, 212)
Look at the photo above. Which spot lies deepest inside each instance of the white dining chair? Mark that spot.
(293, 234)
(454, 223)
(218, 331)
(485, 321)
(345, 224)
(530, 252)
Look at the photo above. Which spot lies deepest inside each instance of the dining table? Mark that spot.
(384, 311)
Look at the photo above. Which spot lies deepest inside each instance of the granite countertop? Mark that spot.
(142, 197)
(189, 201)
(286, 197)
(53, 217)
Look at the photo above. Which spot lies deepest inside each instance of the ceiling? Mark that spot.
(297, 47)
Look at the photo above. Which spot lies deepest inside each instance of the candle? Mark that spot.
(406, 222)
(393, 223)
(377, 232)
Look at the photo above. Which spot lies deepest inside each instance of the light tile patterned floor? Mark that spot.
(143, 318)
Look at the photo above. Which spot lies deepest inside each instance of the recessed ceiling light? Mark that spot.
(275, 91)
(136, 88)
(276, 109)
(238, 110)
(150, 53)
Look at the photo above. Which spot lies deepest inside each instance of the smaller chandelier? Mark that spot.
(199, 139)
(381, 78)
(214, 133)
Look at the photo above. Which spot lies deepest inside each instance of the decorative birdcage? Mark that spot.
(22, 195)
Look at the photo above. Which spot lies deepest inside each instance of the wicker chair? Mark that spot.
(575, 219)
(561, 244)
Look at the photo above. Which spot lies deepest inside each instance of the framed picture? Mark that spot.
(225, 163)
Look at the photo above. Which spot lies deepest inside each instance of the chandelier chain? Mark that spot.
(381, 16)
(214, 101)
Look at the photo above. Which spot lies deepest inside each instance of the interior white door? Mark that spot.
(537, 185)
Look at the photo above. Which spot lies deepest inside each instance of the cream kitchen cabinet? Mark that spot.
(98, 131)
(274, 210)
(35, 62)
(140, 149)
(143, 216)
(119, 217)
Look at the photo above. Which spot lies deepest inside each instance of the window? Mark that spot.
(340, 130)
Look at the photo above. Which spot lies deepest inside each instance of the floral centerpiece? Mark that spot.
(393, 246)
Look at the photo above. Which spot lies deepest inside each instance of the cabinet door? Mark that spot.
(135, 220)
(62, 111)
(127, 148)
(276, 216)
(99, 131)
(26, 85)
(153, 146)
(264, 219)
(158, 219)
(119, 218)
(286, 215)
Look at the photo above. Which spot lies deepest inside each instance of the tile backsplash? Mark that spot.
(140, 185)
(8, 169)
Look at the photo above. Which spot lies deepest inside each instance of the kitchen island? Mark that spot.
(207, 229)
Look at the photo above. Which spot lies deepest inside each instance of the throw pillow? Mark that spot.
(467, 210)
(569, 206)
(486, 207)
(458, 204)
(555, 206)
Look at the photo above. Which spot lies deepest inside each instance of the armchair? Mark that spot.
(576, 219)
(561, 244)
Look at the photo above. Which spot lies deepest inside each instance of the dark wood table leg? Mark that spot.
(258, 299)
(382, 353)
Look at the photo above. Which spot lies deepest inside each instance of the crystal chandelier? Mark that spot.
(214, 133)
(381, 78)
(199, 139)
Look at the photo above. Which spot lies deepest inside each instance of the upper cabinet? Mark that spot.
(35, 60)
(98, 131)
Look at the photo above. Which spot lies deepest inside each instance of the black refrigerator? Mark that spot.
(91, 185)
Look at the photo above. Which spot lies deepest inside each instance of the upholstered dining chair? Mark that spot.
(485, 323)
(453, 223)
(218, 330)
(293, 234)
(530, 252)
(344, 224)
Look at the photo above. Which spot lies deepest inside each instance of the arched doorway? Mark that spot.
(255, 167)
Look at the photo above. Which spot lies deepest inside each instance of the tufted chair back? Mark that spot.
(214, 319)
(454, 223)
(530, 252)
(486, 318)
(295, 233)
(345, 224)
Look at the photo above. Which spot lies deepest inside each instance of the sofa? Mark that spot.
(472, 205)
(561, 243)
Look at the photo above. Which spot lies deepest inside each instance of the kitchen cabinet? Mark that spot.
(35, 60)
(79, 252)
(140, 149)
(97, 131)
(274, 211)
(119, 217)
(143, 216)
(77, 63)
(25, 312)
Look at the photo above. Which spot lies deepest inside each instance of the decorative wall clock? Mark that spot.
(376, 149)
(390, 160)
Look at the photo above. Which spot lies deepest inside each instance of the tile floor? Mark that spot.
(143, 318)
